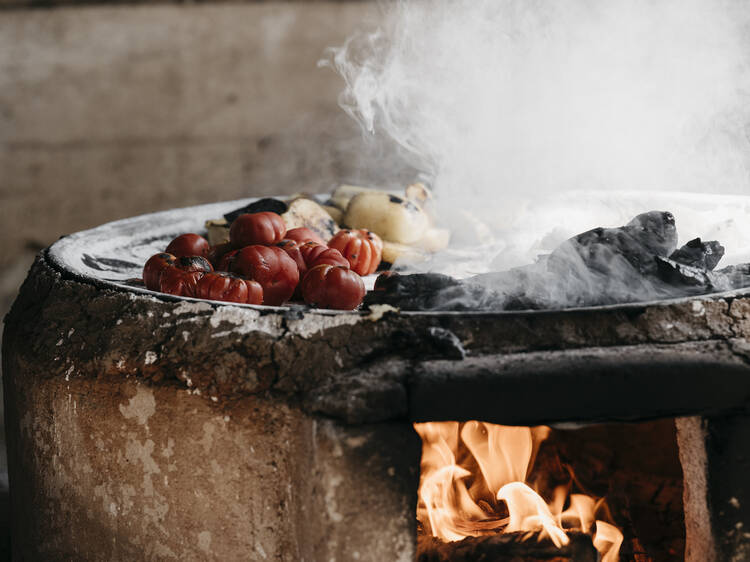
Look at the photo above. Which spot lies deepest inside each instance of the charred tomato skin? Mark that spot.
(317, 254)
(292, 248)
(194, 264)
(362, 248)
(333, 286)
(303, 234)
(221, 286)
(264, 228)
(178, 282)
(154, 267)
(184, 276)
(189, 244)
(270, 266)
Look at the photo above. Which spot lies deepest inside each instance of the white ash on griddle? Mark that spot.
(635, 262)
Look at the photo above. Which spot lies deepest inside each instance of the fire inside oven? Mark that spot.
(609, 492)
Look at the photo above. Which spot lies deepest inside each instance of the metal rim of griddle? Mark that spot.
(59, 255)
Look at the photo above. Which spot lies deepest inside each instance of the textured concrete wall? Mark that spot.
(107, 112)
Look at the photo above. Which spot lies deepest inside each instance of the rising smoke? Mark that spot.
(517, 109)
(500, 97)
(547, 118)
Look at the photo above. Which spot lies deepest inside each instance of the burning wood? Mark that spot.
(473, 484)
(510, 546)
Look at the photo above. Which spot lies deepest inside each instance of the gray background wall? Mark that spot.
(107, 111)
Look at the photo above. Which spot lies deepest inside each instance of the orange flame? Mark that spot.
(485, 490)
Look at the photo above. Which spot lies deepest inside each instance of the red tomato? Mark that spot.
(303, 234)
(362, 248)
(225, 263)
(272, 268)
(216, 253)
(329, 286)
(191, 268)
(230, 288)
(291, 247)
(315, 254)
(257, 228)
(178, 282)
(188, 245)
(154, 267)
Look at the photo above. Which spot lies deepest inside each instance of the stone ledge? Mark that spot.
(359, 369)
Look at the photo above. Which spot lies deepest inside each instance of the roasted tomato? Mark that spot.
(188, 245)
(178, 282)
(192, 269)
(225, 263)
(194, 264)
(303, 234)
(333, 286)
(216, 253)
(154, 267)
(291, 247)
(272, 268)
(220, 286)
(315, 254)
(257, 228)
(362, 248)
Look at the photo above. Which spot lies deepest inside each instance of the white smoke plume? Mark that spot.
(500, 97)
(508, 106)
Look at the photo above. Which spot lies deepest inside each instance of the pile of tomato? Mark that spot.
(264, 263)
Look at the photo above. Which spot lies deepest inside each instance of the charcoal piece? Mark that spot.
(696, 253)
(606, 250)
(509, 547)
(680, 275)
(738, 276)
(266, 204)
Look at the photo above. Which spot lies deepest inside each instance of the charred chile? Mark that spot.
(429, 291)
(635, 262)
(603, 249)
(266, 204)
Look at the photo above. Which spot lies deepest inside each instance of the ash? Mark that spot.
(636, 262)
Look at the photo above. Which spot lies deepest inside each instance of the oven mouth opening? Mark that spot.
(610, 491)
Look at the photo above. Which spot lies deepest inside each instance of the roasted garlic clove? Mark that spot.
(345, 193)
(335, 213)
(389, 216)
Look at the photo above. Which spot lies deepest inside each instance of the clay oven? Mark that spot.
(144, 426)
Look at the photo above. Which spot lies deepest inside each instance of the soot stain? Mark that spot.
(107, 264)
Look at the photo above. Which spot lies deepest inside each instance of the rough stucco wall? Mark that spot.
(113, 469)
